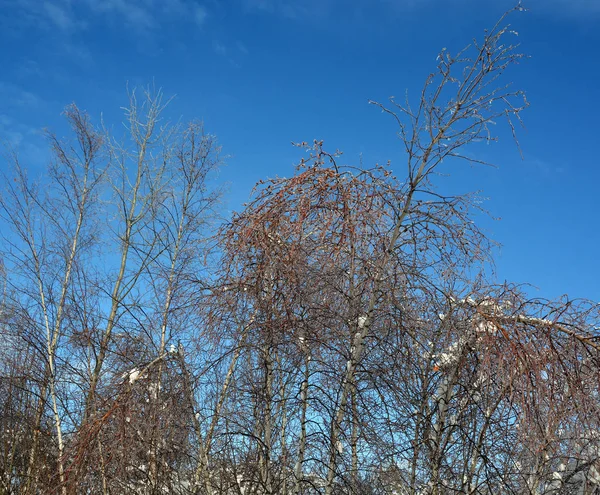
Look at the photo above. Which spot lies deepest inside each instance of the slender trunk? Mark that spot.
(110, 324)
(53, 334)
(166, 312)
(202, 471)
(354, 440)
(102, 467)
(201, 474)
(416, 442)
(117, 294)
(157, 386)
(283, 402)
(31, 475)
(266, 451)
(468, 487)
(299, 468)
(445, 393)
(59, 437)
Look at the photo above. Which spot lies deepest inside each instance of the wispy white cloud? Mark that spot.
(56, 15)
(16, 97)
(293, 9)
(233, 52)
(29, 68)
(266, 5)
(587, 10)
(27, 141)
(74, 15)
(200, 15)
(77, 52)
(59, 16)
(543, 167)
(12, 134)
(578, 8)
(219, 48)
(176, 7)
(146, 15)
(326, 9)
(137, 14)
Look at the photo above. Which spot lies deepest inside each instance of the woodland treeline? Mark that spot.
(342, 334)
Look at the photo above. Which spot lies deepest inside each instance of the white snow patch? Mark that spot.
(134, 374)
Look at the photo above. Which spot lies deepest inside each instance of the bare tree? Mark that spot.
(49, 234)
(100, 311)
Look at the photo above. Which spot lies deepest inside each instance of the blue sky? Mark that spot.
(263, 73)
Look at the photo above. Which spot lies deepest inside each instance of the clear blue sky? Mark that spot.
(263, 73)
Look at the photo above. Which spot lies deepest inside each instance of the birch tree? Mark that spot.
(106, 256)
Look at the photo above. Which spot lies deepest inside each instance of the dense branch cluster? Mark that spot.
(342, 334)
